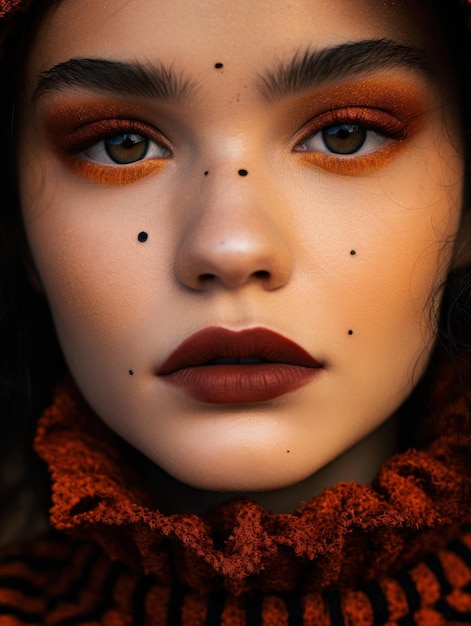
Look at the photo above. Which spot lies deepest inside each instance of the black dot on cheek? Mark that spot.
(350, 332)
(142, 236)
(353, 252)
(218, 65)
(131, 373)
(243, 172)
(206, 173)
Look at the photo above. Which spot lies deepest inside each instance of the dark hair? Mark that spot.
(31, 360)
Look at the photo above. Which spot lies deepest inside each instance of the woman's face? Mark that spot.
(273, 188)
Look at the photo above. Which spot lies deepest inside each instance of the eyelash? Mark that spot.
(388, 130)
(82, 148)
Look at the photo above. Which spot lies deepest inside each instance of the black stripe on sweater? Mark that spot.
(106, 601)
(78, 583)
(216, 603)
(435, 566)
(295, 609)
(335, 608)
(253, 610)
(378, 603)
(139, 598)
(175, 604)
(460, 549)
(407, 620)
(22, 616)
(20, 584)
(410, 591)
(40, 564)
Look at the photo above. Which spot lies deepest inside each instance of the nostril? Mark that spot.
(262, 274)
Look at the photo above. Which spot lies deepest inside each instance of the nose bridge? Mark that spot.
(234, 234)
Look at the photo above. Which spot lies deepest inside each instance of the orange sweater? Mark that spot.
(395, 552)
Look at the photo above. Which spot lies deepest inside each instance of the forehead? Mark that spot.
(250, 35)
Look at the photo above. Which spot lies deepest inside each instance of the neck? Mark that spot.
(360, 464)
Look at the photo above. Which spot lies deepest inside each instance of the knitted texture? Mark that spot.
(194, 564)
(348, 535)
(57, 581)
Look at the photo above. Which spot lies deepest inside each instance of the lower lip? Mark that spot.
(226, 384)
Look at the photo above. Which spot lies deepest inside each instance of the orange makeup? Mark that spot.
(73, 128)
(117, 175)
(391, 109)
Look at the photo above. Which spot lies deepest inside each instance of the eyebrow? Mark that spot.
(313, 67)
(117, 77)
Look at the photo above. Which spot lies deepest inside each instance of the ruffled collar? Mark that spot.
(346, 536)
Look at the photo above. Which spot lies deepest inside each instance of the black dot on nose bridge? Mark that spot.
(243, 172)
(218, 65)
(142, 236)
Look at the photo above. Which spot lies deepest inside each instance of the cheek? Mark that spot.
(401, 222)
(410, 250)
(94, 268)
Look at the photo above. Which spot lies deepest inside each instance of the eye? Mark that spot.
(125, 149)
(342, 139)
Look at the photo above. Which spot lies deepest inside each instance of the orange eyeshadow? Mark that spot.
(74, 125)
(351, 165)
(111, 175)
(393, 109)
(403, 98)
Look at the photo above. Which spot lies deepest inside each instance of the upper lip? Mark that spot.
(216, 342)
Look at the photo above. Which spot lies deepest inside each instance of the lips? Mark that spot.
(221, 366)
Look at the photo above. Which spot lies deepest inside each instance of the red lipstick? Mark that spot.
(221, 366)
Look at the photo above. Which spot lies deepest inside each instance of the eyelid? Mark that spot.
(85, 136)
(378, 120)
(80, 138)
(383, 122)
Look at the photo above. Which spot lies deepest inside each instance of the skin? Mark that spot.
(276, 243)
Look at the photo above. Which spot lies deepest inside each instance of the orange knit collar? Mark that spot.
(346, 536)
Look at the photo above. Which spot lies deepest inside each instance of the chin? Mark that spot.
(242, 480)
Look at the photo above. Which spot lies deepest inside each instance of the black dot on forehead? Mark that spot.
(142, 236)
(218, 65)
(243, 172)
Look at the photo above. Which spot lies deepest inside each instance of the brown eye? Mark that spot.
(344, 138)
(126, 148)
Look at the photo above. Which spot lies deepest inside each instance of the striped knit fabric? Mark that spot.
(57, 581)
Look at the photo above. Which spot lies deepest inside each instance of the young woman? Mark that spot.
(248, 225)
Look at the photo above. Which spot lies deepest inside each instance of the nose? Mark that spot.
(233, 238)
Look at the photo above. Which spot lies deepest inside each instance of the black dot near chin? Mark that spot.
(142, 236)
(243, 172)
